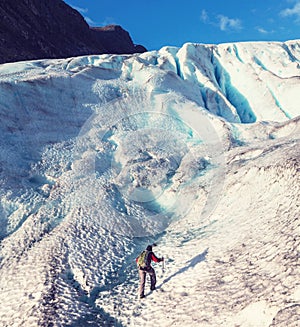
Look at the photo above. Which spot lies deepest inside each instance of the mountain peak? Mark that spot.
(33, 29)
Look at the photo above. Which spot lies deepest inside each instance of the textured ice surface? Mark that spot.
(194, 148)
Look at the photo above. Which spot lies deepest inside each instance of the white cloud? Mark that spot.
(83, 12)
(89, 20)
(223, 22)
(262, 30)
(204, 16)
(108, 21)
(294, 11)
(226, 23)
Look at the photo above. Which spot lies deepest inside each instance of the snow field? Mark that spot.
(195, 148)
(239, 269)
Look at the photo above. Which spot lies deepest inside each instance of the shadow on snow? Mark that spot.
(190, 264)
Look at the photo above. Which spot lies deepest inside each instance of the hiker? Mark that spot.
(144, 265)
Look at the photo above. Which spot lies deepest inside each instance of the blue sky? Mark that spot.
(157, 23)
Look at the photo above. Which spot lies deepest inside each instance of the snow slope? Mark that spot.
(196, 149)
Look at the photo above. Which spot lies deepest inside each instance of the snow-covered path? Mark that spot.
(237, 270)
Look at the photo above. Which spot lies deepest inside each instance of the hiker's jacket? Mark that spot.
(151, 257)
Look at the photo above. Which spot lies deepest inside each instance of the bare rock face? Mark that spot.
(37, 29)
(115, 38)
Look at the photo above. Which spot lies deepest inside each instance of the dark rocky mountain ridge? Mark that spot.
(38, 29)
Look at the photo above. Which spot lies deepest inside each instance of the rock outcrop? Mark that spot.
(35, 29)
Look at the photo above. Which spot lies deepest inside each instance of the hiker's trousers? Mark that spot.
(143, 273)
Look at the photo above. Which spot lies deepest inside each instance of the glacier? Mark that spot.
(193, 148)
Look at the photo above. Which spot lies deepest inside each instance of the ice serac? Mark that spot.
(244, 82)
(195, 148)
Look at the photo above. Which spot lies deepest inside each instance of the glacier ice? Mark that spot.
(193, 147)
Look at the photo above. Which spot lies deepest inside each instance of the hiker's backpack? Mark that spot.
(142, 259)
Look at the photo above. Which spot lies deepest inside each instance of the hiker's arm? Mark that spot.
(155, 259)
